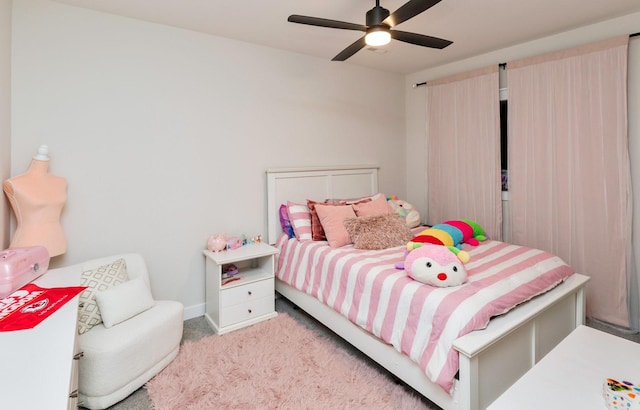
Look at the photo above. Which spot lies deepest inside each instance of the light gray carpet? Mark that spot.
(195, 329)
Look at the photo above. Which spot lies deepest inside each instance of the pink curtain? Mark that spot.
(569, 173)
(463, 133)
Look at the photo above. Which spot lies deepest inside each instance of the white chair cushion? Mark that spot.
(121, 302)
(113, 357)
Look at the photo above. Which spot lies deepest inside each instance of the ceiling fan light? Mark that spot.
(377, 37)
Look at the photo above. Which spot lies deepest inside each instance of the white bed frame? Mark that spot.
(491, 360)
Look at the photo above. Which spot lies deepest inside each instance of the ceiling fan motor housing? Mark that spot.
(376, 15)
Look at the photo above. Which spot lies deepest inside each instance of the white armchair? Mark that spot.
(120, 359)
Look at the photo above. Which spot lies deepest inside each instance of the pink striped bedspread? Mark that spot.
(419, 320)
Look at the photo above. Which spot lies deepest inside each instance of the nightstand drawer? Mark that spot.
(246, 293)
(248, 310)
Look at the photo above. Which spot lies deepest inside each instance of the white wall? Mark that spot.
(164, 134)
(5, 113)
(415, 97)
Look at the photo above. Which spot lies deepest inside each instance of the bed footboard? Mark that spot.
(515, 342)
(491, 360)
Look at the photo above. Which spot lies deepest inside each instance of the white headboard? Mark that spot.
(318, 183)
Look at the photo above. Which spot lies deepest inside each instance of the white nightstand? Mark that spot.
(245, 301)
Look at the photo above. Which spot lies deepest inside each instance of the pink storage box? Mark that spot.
(19, 266)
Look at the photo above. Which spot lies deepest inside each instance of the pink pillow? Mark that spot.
(317, 232)
(300, 219)
(332, 219)
(377, 206)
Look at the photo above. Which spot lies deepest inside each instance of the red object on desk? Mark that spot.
(28, 306)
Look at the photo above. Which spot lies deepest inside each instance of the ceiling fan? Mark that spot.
(378, 28)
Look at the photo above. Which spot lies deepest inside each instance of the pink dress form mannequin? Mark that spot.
(37, 199)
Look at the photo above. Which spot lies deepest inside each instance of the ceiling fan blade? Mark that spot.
(351, 50)
(408, 10)
(419, 39)
(320, 22)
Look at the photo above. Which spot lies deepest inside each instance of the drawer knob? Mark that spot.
(78, 355)
(249, 310)
(249, 293)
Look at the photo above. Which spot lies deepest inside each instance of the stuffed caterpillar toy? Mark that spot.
(434, 265)
(450, 234)
(435, 256)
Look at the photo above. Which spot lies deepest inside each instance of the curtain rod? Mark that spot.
(416, 85)
(503, 65)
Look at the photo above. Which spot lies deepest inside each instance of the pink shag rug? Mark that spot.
(276, 364)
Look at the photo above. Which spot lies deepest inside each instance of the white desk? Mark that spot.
(572, 374)
(37, 363)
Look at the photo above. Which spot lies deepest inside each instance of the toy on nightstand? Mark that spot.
(217, 242)
(234, 242)
(229, 270)
(229, 274)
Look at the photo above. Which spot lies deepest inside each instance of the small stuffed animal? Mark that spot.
(407, 211)
(436, 266)
(217, 242)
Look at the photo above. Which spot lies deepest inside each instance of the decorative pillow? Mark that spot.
(317, 232)
(332, 218)
(351, 201)
(377, 206)
(378, 231)
(98, 279)
(300, 218)
(122, 302)
(285, 223)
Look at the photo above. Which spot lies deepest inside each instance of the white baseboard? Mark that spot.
(194, 311)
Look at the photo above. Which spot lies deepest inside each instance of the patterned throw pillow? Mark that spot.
(98, 279)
